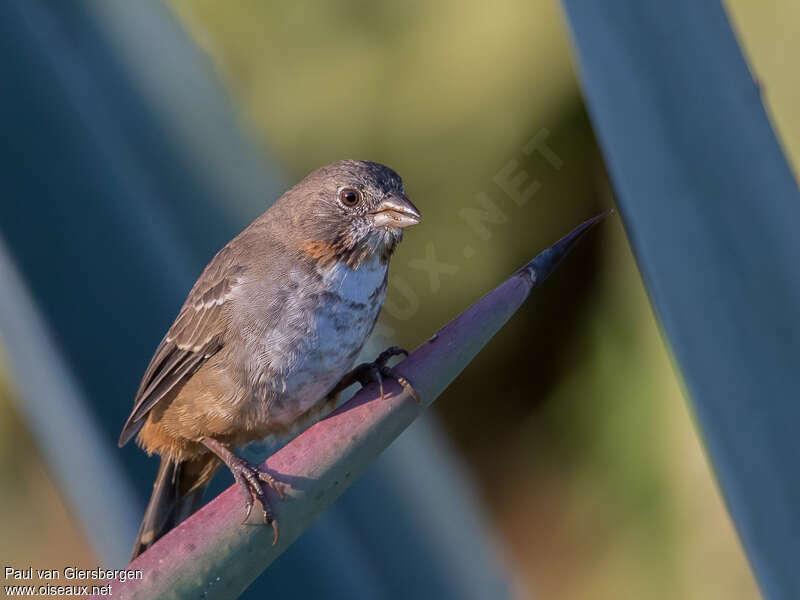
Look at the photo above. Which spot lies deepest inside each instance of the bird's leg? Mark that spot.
(374, 372)
(251, 480)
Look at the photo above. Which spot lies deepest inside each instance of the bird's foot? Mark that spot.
(251, 481)
(376, 371)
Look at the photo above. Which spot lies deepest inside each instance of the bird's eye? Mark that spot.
(349, 196)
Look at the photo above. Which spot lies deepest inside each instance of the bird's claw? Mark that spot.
(375, 371)
(251, 480)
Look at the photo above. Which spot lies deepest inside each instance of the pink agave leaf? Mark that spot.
(213, 555)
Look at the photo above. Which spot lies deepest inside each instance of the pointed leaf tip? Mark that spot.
(546, 261)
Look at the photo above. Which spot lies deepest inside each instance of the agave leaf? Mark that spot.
(213, 555)
(711, 208)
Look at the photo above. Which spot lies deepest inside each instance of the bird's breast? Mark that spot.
(339, 311)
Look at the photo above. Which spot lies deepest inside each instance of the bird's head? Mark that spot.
(350, 210)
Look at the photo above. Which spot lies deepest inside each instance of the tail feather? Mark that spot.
(177, 493)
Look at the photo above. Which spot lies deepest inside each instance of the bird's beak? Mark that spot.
(396, 211)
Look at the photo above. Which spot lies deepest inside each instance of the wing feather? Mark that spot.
(197, 334)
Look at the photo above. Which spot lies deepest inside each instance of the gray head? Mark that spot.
(348, 210)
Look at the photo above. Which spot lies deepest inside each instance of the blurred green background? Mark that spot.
(572, 421)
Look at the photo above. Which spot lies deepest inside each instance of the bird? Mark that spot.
(268, 337)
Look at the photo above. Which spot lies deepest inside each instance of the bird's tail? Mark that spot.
(177, 493)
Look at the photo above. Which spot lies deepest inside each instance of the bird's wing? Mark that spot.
(197, 334)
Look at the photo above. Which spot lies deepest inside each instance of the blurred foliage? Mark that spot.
(572, 420)
(30, 502)
(768, 32)
(710, 205)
